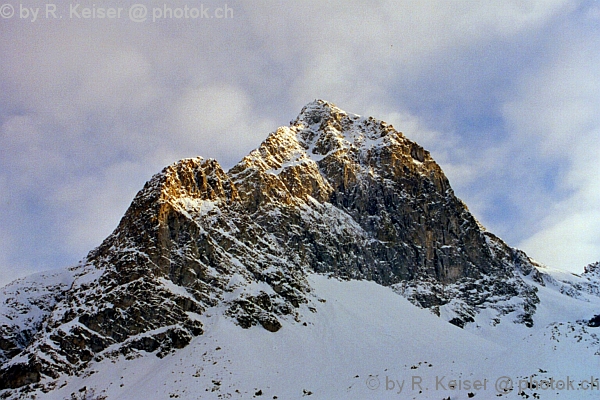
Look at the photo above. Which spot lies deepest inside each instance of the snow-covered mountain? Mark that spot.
(326, 263)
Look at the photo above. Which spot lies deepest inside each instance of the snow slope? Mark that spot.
(361, 340)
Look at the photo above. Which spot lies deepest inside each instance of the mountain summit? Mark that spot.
(332, 193)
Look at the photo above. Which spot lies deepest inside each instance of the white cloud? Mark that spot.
(569, 243)
(558, 112)
(218, 122)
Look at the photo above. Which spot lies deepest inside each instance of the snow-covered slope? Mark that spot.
(27, 302)
(359, 340)
(213, 285)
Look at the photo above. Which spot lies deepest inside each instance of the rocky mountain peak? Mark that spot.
(331, 193)
(325, 150)
(323, 129)
(317, 111)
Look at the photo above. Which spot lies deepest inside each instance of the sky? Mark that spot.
(504, 94)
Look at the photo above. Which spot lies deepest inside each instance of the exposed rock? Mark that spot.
(594, 322)
(20, 374)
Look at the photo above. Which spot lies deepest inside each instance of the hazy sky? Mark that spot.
(505, 95)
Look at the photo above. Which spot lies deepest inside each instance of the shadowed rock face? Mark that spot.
(333, 192)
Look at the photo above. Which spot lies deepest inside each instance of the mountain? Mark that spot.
(329, 259)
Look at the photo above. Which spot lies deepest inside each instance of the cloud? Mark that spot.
(218, 122)
(501, 93)
(10, 272)
(88, 118)
(86, 210)
(570, 242)
(6, 247)
(10, 266)
(557, 114)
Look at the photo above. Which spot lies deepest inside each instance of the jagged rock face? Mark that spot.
(504, 290)
(405, 220)
(593, 270)
(332, 192)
